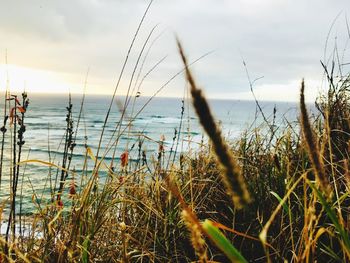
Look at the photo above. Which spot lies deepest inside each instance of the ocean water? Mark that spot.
(46, 121)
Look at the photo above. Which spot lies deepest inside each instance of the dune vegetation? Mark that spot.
(267, 196)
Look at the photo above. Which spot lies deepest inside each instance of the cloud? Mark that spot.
(280, 40)
(289, 91)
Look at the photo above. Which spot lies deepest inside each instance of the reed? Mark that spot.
(17, 140)
(231, 175)
(3, 130)
(69, 145)
(312, 146)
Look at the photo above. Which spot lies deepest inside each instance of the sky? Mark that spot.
(54, 46)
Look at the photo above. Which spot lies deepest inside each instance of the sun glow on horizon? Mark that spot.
(18, 78)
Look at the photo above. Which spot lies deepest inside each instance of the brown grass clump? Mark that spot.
(231, 175)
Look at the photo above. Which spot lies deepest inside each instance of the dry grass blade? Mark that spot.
(231, 175)
(312, 147)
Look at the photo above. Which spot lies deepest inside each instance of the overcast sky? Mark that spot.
(51, 44)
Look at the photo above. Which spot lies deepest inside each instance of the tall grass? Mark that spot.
(290, 190)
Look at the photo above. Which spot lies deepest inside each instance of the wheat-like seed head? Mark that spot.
(231, 172)
(312, 146)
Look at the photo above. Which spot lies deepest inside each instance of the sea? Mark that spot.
(169, 121)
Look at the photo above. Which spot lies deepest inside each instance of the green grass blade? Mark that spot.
(222, 242)
(284, 205)
(329, 251)
(85, 247)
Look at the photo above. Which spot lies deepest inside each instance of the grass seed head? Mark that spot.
(231, 173)
(312, 146)
(197, 240)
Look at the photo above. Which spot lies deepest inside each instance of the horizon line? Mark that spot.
(39, 93)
